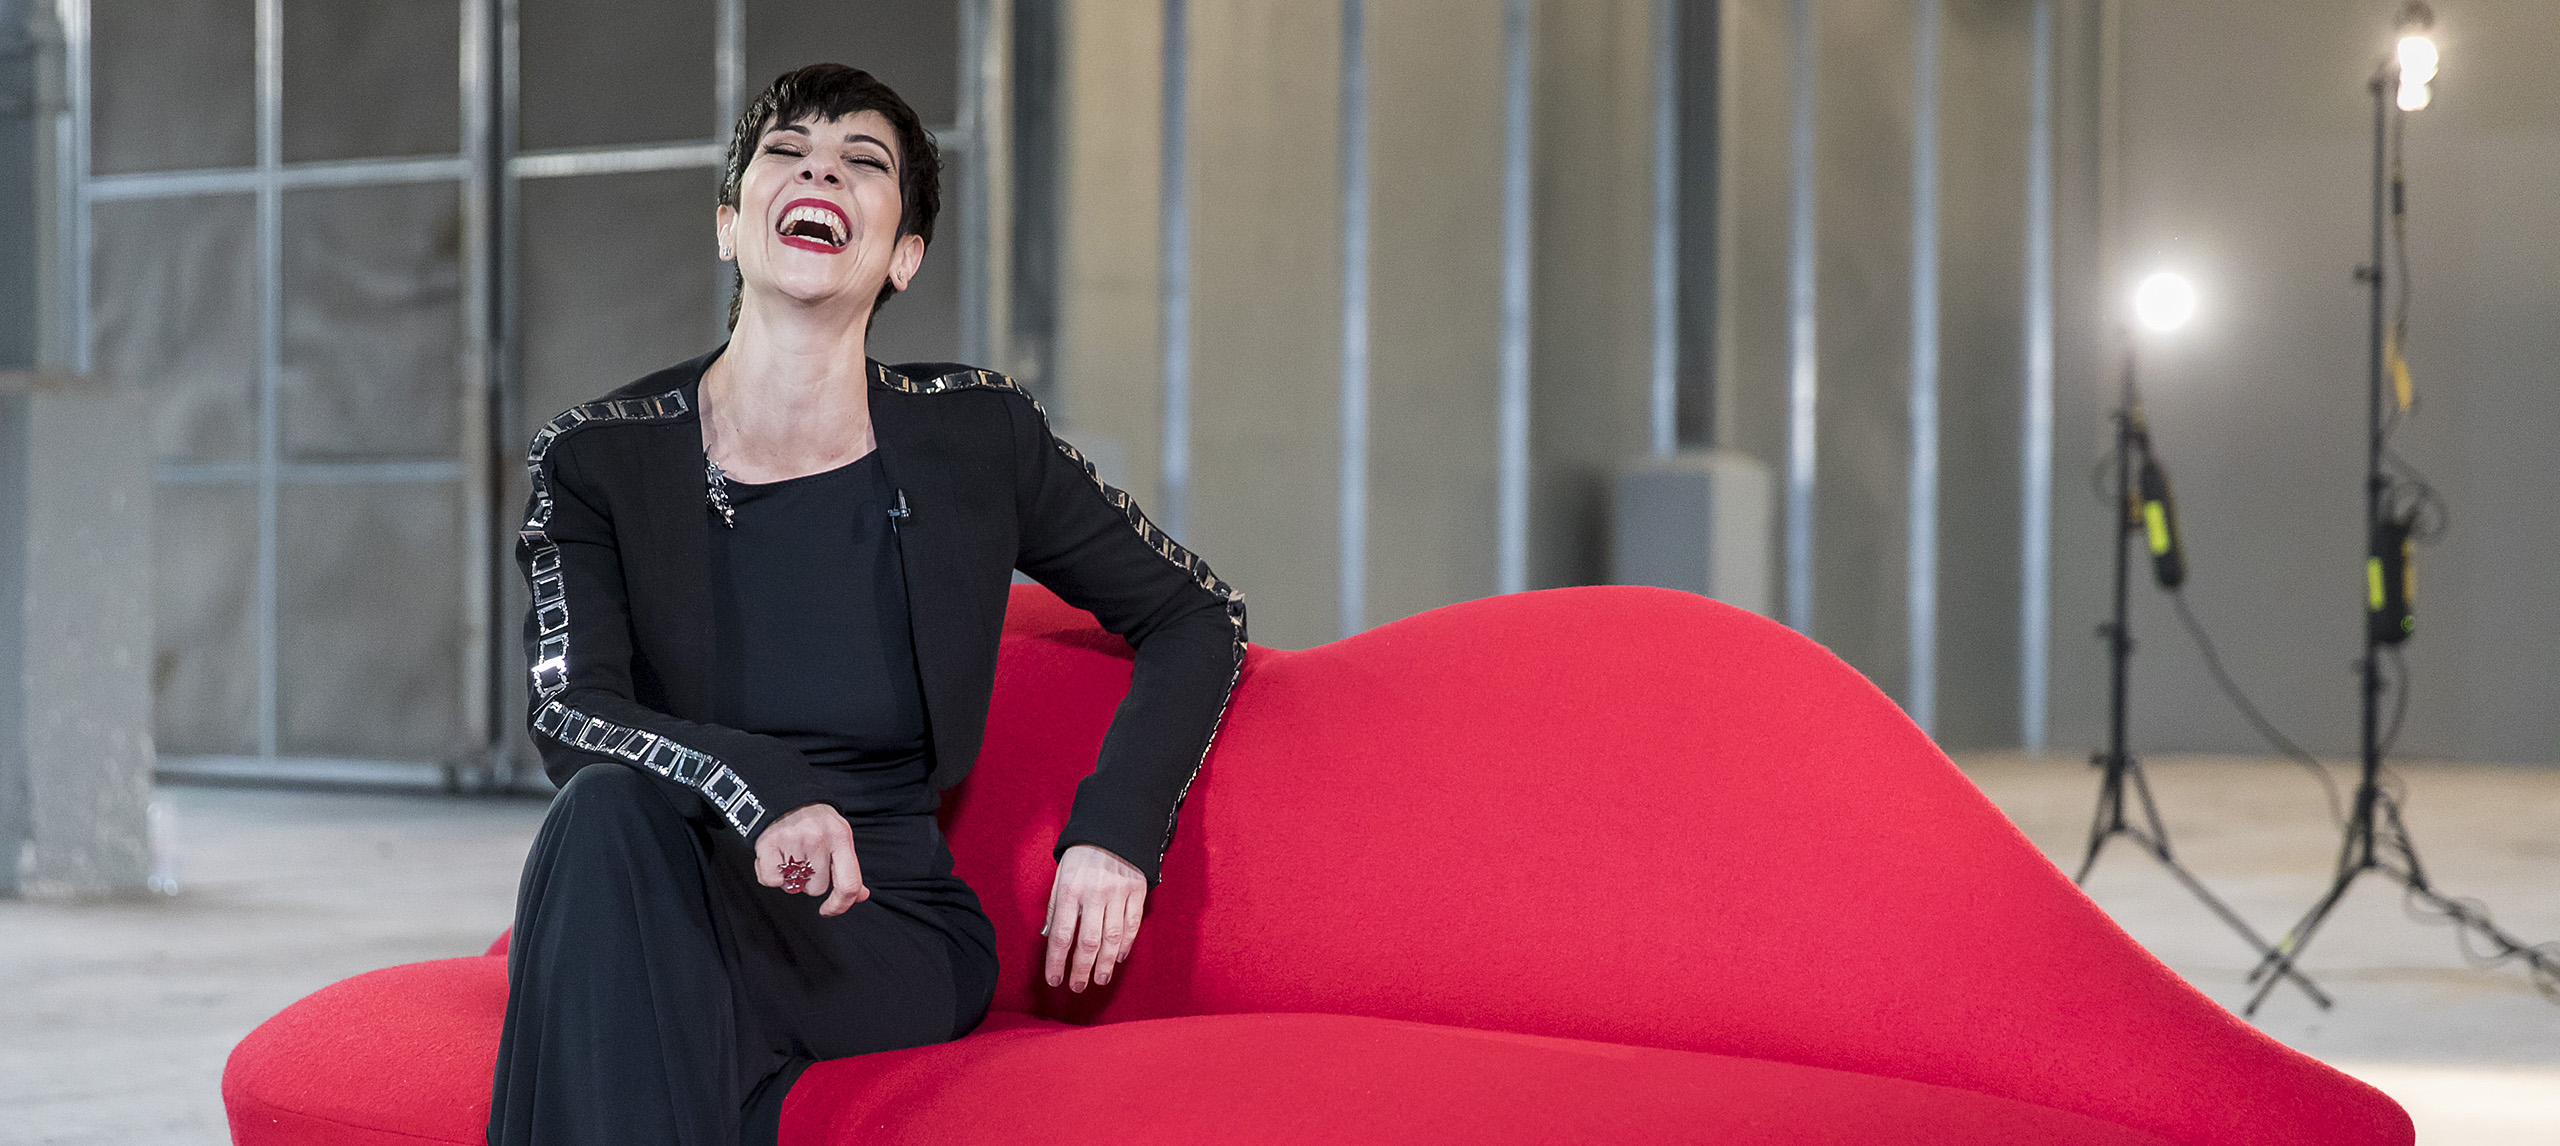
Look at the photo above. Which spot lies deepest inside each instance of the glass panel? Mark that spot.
(923, 324)
(175, 305)
(912, 45)
(615, 71)
(371, 79)
(204, 664)
(369, 625)
(618, 278)
(373, 335)
(172, 85)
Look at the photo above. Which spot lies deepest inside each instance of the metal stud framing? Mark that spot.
(487, 167)
(2035, 533)
(1920, 697)
(1511, 528)
(1354, 519)
(1801, 377)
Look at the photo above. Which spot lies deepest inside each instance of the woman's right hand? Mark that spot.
(814, 834)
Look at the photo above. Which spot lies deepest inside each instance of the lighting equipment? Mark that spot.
(2142, 505)
(2164, 301)
(2376, 840)
(2417, 59)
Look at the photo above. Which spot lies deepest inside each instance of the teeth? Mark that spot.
(826, 226)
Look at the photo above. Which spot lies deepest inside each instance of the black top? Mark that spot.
(620, 639)
(811, 643)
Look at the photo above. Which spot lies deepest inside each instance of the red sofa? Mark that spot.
(1586, 865)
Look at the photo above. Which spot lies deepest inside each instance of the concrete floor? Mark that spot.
(118, 1015)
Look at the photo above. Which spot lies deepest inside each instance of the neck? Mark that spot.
(790, 396)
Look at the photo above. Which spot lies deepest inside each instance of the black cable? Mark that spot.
(2469, 917)
(2240, 700)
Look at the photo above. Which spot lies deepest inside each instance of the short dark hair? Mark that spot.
(834, 91)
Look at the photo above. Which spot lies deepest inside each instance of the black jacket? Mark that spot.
(615, 551)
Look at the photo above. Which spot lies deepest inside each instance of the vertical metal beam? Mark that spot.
(2035, 532)
(1355, 318)
(1511, 534)
(71, 187)
(1176, 207)
(478, 446)
(728, 67)
(1800, 315)
(1921, 572)
(270, 280)
(506, 388)
(728, 96)
(974, 65)
(1666, 227)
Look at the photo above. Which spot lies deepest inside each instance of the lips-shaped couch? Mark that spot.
(1604, 865)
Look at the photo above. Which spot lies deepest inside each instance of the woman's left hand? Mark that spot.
(1093, 915)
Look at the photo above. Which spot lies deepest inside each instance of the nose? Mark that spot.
(815, 172)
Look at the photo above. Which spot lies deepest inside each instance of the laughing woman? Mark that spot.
(766, 587)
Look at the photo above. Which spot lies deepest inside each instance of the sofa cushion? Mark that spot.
(1341, 1080)
(395, 1057)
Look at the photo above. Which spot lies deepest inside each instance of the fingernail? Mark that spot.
(1053, 980)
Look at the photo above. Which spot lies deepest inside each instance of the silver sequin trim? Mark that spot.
(690, 767)
(1156, 539)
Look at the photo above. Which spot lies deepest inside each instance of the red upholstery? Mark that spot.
(394, 1057)
(1719, 883)
(1334, 1078)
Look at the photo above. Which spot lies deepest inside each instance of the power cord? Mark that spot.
(2257, 719)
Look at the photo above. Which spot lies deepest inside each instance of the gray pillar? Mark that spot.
(75, 638)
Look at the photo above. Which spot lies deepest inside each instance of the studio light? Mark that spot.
(2417, 71)
(2164, 301)
(2145, 516)
(2415, 59)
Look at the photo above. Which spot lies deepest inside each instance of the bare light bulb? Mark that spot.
(2417, 55)
(2164, 301)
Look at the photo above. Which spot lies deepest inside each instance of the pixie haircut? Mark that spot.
(834, 91)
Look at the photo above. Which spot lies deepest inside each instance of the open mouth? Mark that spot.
(814, 225)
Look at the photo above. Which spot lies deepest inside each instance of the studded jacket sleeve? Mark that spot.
(578, 642)
(1090, 544)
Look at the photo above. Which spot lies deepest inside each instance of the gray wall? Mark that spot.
(2247, 157)
(2239, 155)
(1863, 124)
(1264, 178)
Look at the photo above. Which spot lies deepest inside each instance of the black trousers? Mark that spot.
(656, 994)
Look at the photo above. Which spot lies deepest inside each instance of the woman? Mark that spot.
(767, 586)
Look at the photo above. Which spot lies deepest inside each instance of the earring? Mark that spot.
(724, 250)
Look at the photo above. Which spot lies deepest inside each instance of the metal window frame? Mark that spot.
(488, 170)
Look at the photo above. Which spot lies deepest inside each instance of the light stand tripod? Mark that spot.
(2134, 511)
(2374, 827)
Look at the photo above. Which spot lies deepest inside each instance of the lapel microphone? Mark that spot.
(899, 513)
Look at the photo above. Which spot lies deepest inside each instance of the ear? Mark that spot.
(904, 259)
(724, 221)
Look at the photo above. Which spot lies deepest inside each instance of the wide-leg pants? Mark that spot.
(656, 994)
